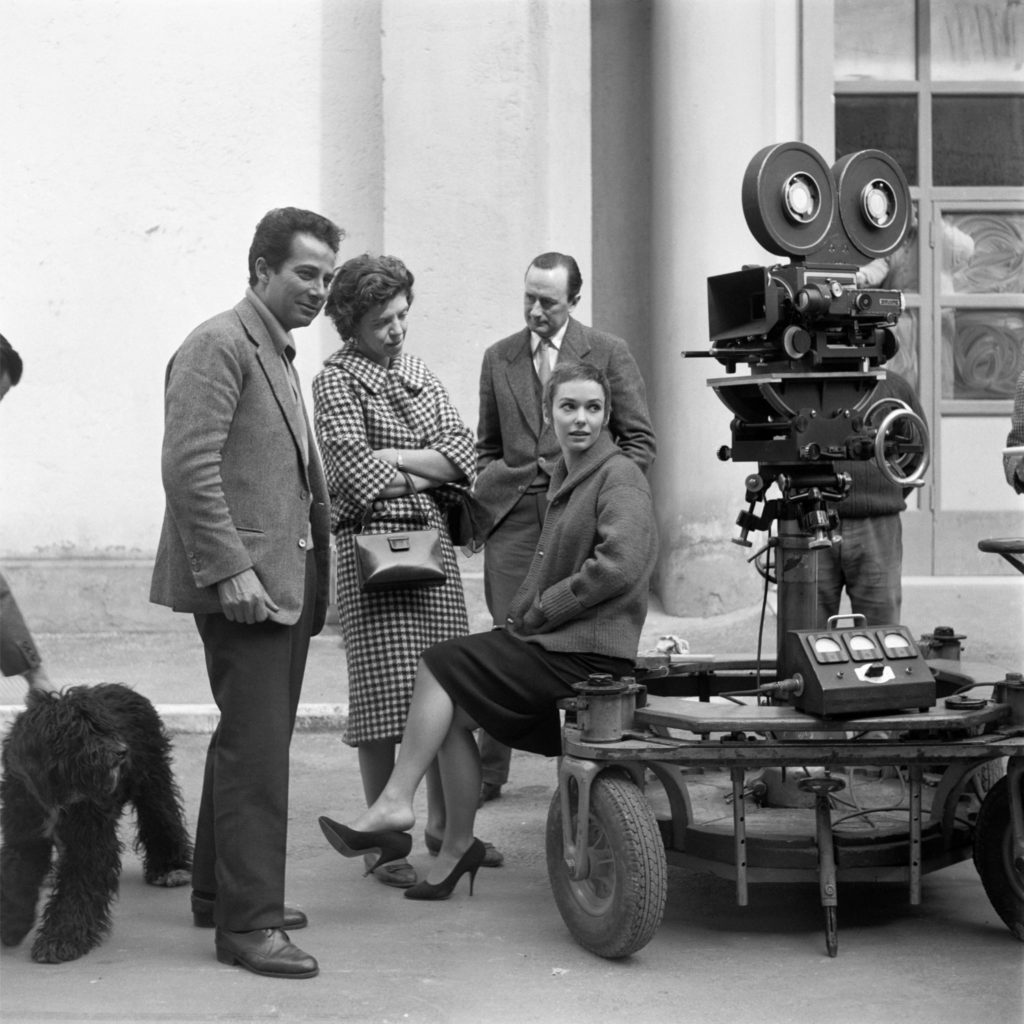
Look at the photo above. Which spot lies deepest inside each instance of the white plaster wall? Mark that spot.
(142, 142)
(726, 83)
(487, 142)
(143, 139)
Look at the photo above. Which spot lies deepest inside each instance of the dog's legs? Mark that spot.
(77, 915)
(24, 859)
(163, 839)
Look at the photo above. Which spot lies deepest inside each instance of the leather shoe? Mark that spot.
(493, 857)
(202, 915)
(266, 951)
(399, 874)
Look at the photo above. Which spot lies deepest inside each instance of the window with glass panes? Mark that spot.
(939, 85)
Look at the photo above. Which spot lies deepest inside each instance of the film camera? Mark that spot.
(815, 344)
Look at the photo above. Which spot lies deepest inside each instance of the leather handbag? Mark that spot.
(400, 560)
(469, 522)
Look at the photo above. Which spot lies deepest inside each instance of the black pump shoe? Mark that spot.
(390, 844)
(493, 857)
(468, 863)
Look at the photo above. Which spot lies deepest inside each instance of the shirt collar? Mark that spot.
(556, 340)
(282, 339)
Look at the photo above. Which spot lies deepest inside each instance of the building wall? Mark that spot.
(727, 81)
(147, 138)
(144, 139)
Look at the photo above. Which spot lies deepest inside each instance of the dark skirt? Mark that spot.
(510, 688)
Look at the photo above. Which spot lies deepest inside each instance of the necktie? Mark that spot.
(544, 360)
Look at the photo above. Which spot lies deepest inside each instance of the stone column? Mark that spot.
(726, 82)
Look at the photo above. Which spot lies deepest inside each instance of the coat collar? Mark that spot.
(409, 370)
(564, 481)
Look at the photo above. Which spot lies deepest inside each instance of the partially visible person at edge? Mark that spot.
(245, 549)
(516, 449)
(868, 561)
(1013, 464)
(19, 655)
(580, 610)
(392, 443)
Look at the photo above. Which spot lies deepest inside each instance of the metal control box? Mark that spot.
(857, 670)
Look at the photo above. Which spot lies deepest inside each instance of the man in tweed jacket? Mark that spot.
(244, 548)
(516, 451)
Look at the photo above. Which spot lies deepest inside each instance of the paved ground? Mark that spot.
(505, 956)
(168, 666)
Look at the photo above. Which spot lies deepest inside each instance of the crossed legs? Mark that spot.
(435, 728)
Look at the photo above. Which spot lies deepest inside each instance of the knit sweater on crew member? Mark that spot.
(871, 494)
(587, 587)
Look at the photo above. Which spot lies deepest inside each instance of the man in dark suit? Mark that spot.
(244, 548)
(516, 450)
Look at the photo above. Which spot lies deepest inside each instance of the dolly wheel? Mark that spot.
(993, 857)
(615, 910)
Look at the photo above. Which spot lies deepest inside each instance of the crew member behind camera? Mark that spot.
(1013, 464)
(579, 611)
(868, 561)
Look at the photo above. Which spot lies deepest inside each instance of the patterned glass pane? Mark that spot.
(974, 40)
(874, 40)
(996, 260)
(907, 361)
(978, 141)
(886, 122)
(982, 353)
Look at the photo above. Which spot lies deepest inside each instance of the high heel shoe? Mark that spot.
(469, 863)
(390, 844)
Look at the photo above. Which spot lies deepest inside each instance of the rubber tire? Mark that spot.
(993, 843)
(617, 910)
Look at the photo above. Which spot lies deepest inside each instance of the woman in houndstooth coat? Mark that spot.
(384, 424)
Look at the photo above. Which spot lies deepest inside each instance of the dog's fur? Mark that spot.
(71, 762)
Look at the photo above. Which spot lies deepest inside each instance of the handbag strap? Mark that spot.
(413, 493)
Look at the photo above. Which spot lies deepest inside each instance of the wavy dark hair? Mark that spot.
(364, 282)
(274, 233)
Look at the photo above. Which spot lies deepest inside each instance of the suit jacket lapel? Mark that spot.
(522, 383)
(277, 376)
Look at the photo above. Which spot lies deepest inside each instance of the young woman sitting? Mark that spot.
(580, 610)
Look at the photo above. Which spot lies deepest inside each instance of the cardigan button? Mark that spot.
(302, 543)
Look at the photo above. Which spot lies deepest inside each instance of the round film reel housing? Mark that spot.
(789, 199)
(874, 201)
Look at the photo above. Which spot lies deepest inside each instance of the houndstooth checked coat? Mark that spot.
(360, 406)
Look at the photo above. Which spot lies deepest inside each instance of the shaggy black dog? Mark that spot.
(71, 762)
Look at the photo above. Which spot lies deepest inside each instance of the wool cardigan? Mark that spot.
(587, 587)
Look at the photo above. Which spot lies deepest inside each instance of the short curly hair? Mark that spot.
(361, 283)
